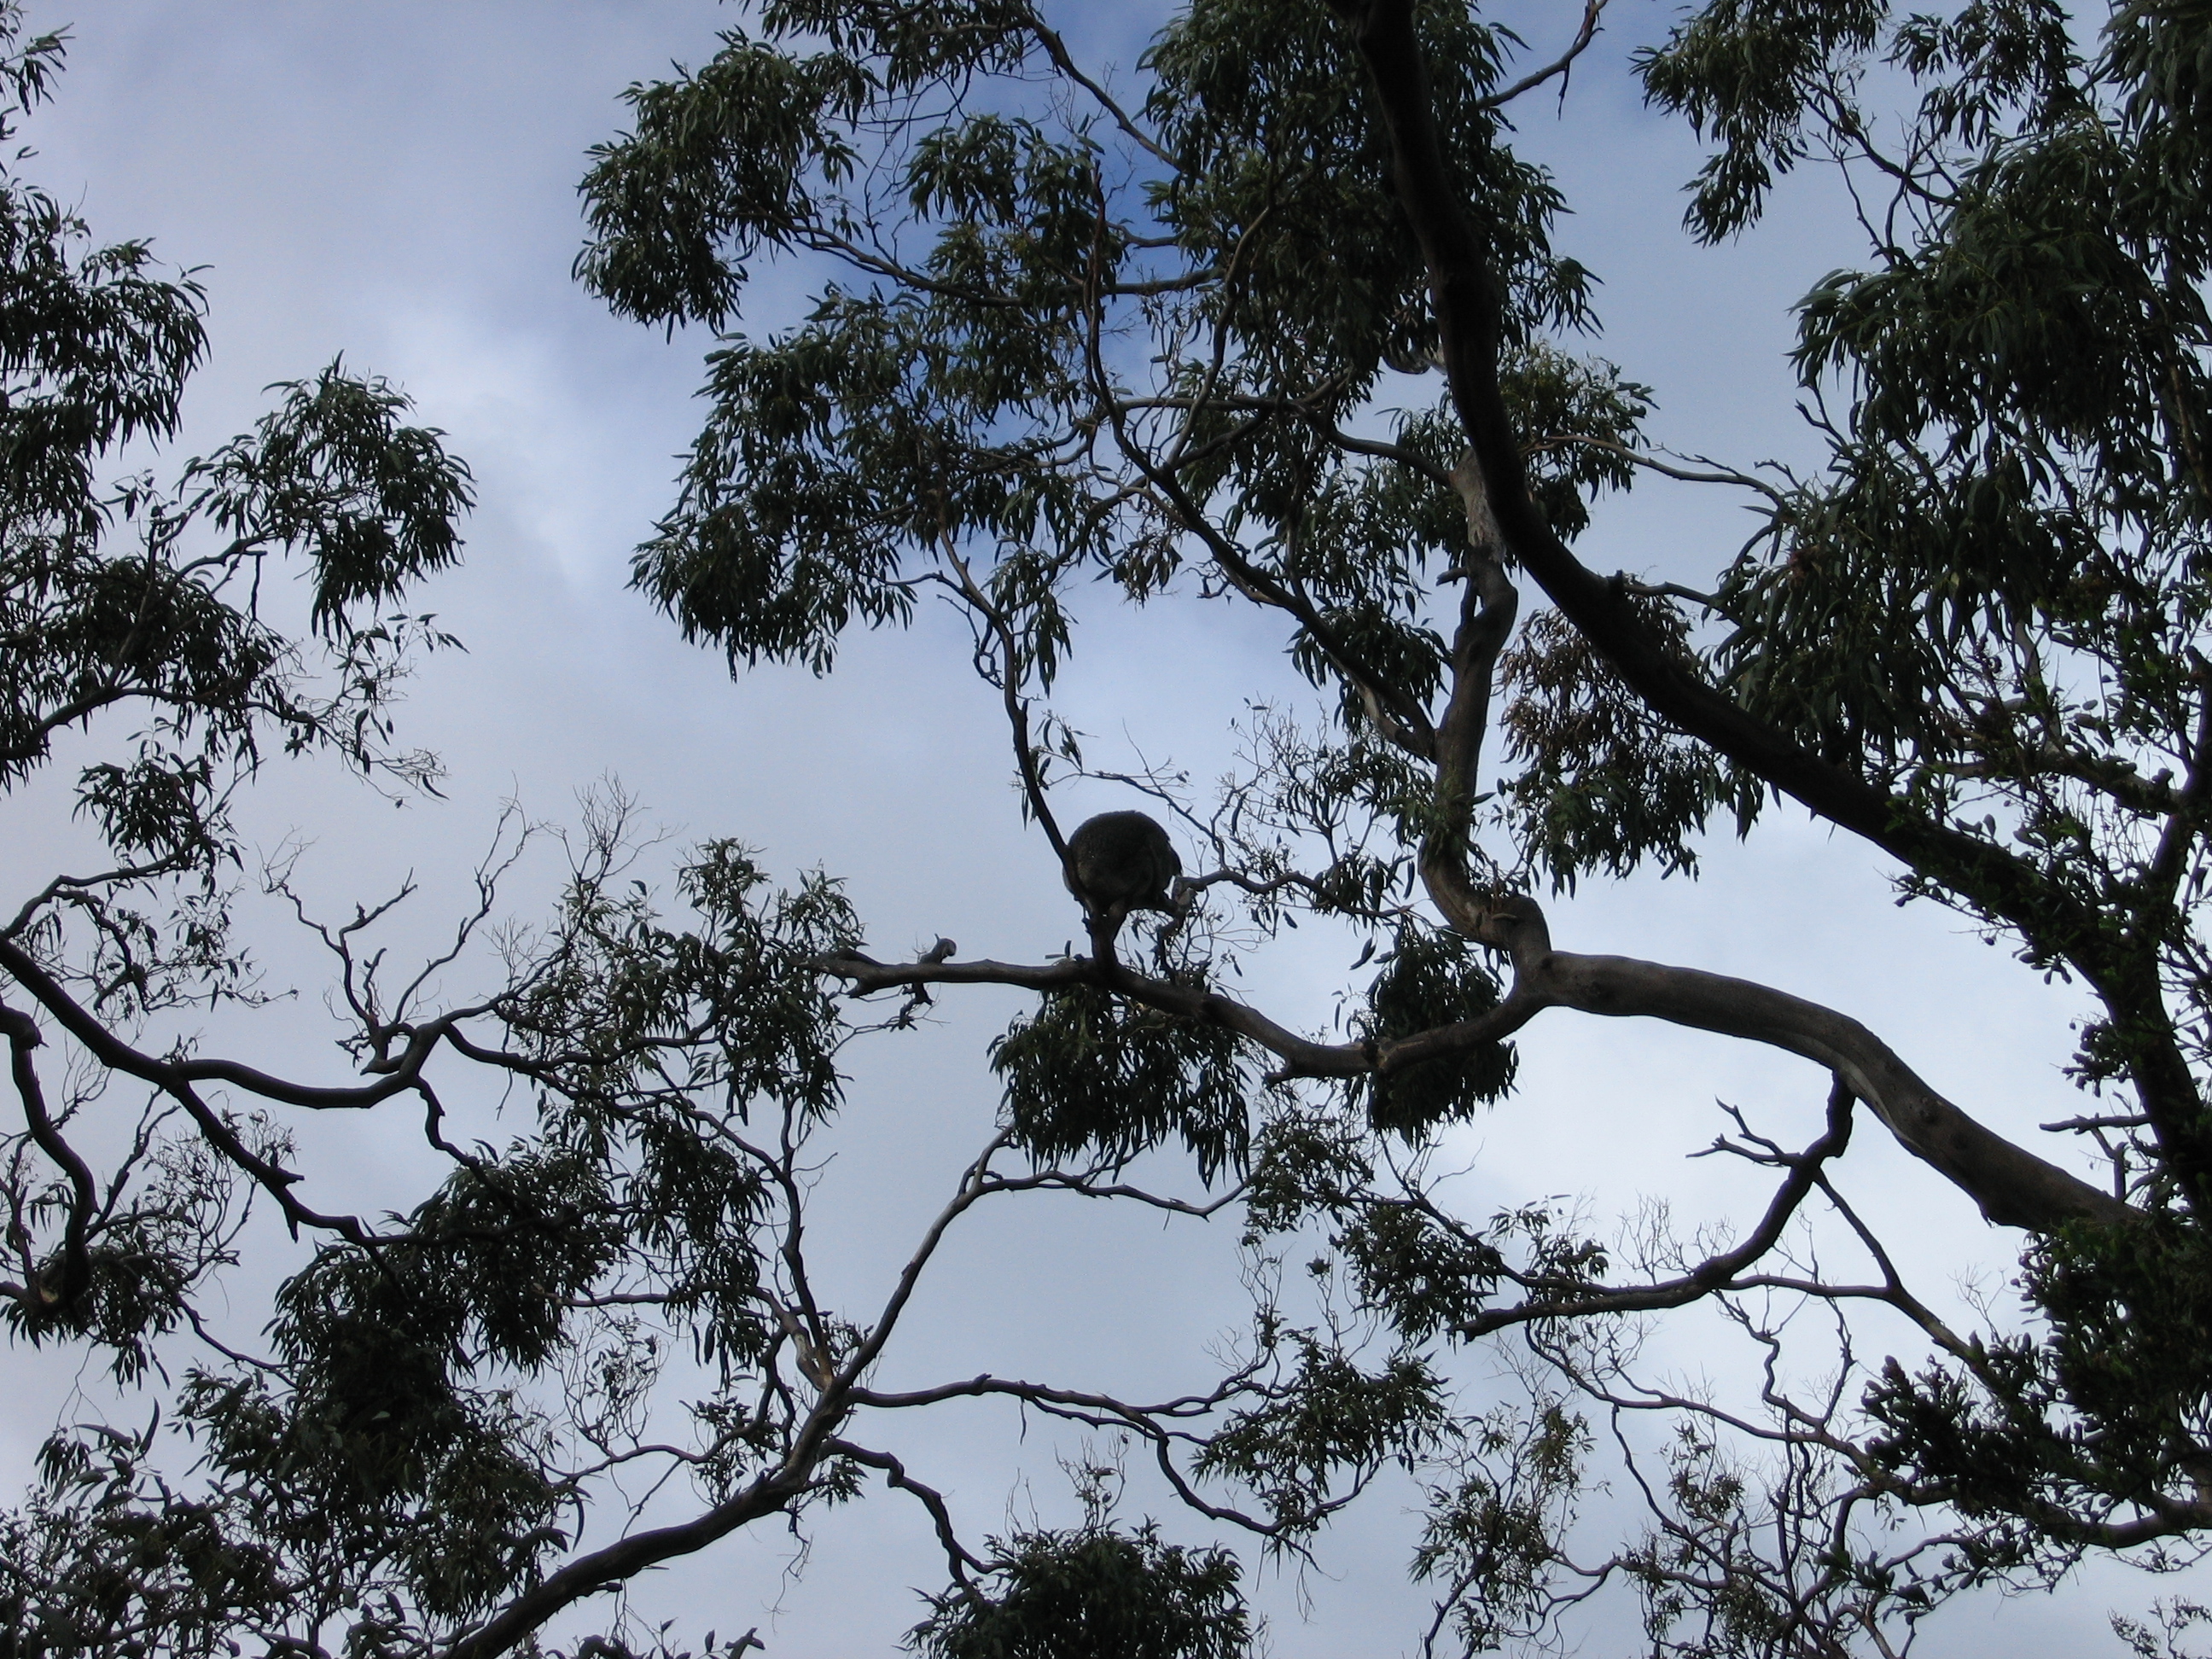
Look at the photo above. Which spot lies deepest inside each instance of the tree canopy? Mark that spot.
(1271, 325)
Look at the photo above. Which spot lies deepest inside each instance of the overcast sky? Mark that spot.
(395, 182)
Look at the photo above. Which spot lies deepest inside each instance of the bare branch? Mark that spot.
(1718, 475)
(1717, 1272)
(1560, 65)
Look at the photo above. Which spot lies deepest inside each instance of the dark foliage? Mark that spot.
(1159, 340)
(1098, 1591)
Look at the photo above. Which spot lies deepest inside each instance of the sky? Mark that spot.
(394, 183)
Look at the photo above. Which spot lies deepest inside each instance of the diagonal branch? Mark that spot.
(1468, 302)
(112, 1051)
(603, 1569)
(2013, 1186)
(1716, 1273)
(1560, 66)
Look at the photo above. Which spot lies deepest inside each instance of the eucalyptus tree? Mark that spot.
(1072, 336)
(1075, 341)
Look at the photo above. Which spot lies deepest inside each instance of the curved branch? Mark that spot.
(957, 1556)
(179, 1080)
(1100, 1410)
(39, 1297)
(1716, 1273)
(2013, 1186)
(112, 1051)
(1468, 302)
(1560, 65)
(1010, 691)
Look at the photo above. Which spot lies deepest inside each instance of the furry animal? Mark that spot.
(1118, 862)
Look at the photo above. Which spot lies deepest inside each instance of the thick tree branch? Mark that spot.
(40, 1296)
(180, 1079)
(2013, 1186)
(619, 1562)
(1468, 304)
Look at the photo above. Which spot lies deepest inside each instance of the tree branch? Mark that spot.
(1468, 302)
(2013, 1186)
(1716, 1273)
(1560, 65)
(39, 1297)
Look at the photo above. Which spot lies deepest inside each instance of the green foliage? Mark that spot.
(1260, 114)
(379, 1448)
(94, 345)
(138, 594)
(1303, 1163)
(393, 1462)
(153, 1254)
(1745, 73)
(1092, 1590)
(1579, 414)
(391, 1466)
(2068, 1431)
(1991, 603)
(1058, 339)
(1431, 977)
(1090, 1075)
(333, 473)
(1423, 1273)
(1326, 1430)
(717, 155)
(106, 1559)
(928, 409)
(2174, 1620)
(1607, 785)
(1494, 1534)
(1064, 351)
(734, 988)
(2131, 1317)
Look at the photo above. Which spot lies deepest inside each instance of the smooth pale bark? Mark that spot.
(2013, 1186)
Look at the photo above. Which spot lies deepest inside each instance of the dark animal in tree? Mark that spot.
(1118, 862)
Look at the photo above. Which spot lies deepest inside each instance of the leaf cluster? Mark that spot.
(1430, 977)
(1096, 1589)
(1094, 1076)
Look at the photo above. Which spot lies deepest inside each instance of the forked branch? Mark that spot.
(2013, 1186)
